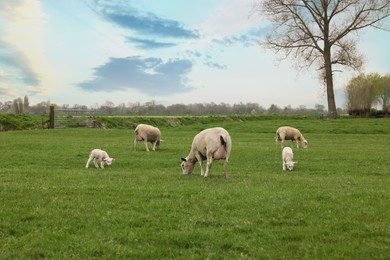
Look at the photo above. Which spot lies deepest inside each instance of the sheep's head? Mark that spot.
(108, 161)
(187, 166)
(304, 143)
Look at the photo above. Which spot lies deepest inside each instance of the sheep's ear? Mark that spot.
(183, 159)
(294, 162)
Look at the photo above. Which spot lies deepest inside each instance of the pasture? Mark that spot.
(335, 204)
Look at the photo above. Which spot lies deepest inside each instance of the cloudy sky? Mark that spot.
(92, 51)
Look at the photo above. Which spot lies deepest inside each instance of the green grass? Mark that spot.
(335, 204)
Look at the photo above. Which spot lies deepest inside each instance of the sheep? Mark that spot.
(99, 155)
(147, 133)
(290, 133)
(211, 144)
(287, 158)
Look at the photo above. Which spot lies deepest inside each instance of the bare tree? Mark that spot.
(321, 33)
(18, 106)
(26, 105)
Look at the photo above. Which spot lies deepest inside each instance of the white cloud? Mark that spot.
(232, 17)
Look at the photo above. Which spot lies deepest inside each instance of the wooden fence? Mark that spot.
(69, 117)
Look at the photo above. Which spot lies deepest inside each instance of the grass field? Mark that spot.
(335, 204)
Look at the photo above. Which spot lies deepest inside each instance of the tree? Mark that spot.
(321, 33)
(319, 108)
(362, 92)
(384, 93)
(18, 106)
(274, 109)
(26, 105)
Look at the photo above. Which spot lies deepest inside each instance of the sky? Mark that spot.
(88, 52)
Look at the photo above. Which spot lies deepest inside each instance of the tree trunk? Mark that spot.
(332, 112)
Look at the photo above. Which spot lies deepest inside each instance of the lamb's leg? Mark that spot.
(89, 160)
(95, 162)
(102, 164)
(284, 166)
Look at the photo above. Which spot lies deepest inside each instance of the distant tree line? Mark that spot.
(20, 106)
(366, 91)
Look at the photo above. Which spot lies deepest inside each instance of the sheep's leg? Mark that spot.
(88, 162)
(95, 162)
(135, 144)
(154, 145)
(102, 164)
(146, 144)
(282, 143)
(284, 166)
(200, 160)
(209, 164)
(201, 167)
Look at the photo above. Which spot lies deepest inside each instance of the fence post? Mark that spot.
(51, 118)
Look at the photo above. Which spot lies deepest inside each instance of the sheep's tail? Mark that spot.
(277, 138)
(223, 142)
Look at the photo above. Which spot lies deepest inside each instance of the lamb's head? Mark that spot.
(108, 160)
(187, 166)
(290, 165)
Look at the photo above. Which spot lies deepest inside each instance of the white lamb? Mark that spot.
(290, 133)
(287, 158)
(99, 155)
(147, 133)
(211, 144)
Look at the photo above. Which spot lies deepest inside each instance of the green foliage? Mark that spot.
(21, 121)
(29, 121)
(333, 205)
(364, 91)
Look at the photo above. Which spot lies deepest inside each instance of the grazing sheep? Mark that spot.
(99, 155)
(290, 133)
(147, 133)
(287, 158)
(211, 144)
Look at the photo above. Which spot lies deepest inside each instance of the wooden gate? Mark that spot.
(71, 117)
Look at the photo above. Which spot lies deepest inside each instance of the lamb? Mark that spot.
(99, 155)
(147, 133)
(290, 133)
(287, 158)
(211, 144)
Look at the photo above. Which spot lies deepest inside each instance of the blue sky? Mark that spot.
(92, 51)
